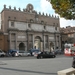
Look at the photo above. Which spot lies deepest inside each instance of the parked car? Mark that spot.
(58, 51)
(13, 52)
(34, 52)
(2, 54)
(46, 54)
(24, 53)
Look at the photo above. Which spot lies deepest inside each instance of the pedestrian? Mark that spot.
(73, 62)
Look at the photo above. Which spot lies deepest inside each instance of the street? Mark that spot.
(33, 66)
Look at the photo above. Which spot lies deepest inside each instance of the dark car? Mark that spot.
(46, 55)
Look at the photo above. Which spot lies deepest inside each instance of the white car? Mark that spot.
(35, 53)
(24, 53)
(2, 54)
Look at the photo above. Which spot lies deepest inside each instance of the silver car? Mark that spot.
(24, 53)
(2, 54)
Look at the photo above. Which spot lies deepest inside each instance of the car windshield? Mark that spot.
(67, 46)
(35, 50)
(21, 51)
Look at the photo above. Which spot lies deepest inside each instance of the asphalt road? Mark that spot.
(33, 66)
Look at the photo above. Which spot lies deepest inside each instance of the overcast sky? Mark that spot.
(39, 6)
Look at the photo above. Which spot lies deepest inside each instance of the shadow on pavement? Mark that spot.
(27, 71)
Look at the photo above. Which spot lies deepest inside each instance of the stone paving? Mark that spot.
(34, 66)
(2, 63)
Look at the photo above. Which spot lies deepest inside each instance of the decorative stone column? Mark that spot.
(27, 35)
(60, 41)
(55, 39)
(43, 38)
(16, 40)
(44, 41)
(33, 40)
(48, 42)
(9, 40)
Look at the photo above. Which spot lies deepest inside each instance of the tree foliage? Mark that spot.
(65, 8)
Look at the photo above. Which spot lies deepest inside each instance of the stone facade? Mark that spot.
(68, 34)
(28, 29)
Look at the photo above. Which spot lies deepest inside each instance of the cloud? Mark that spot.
(47, 8)
(39, 6)
(64, 22)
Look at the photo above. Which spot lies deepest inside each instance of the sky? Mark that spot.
(39, 6)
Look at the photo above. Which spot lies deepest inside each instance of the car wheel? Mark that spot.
(54, 56)
(41, 57)
(2, 55)
(37, 57)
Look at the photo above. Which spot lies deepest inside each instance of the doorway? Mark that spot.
(21, 46)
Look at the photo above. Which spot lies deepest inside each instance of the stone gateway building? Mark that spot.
(28, 29)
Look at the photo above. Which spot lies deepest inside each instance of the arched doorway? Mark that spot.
(51, 46)
(21, 46)
(37, 42)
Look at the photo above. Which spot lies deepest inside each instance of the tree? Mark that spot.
(65, 8)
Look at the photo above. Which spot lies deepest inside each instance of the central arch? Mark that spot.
(21, 46)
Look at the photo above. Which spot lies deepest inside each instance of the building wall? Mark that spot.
(3, 42)
(24, 16)
(28, 23)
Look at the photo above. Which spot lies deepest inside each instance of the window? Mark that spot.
(55, 27)
(54, 24)
(9, 17)
(31, 20)
(12, 24)
(42, 22)
(58, 38)
(70, 35)
(29, 25)
(44, 27)
(14, 17)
